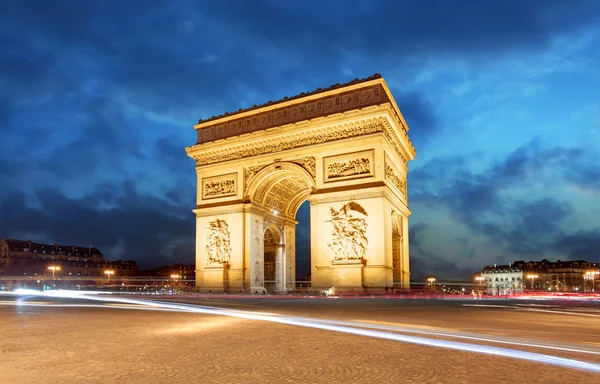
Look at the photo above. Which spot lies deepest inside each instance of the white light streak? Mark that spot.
(329, 325)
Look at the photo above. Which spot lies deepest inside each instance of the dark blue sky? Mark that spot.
(98, 99)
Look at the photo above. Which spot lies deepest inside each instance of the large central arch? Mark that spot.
(345, 150)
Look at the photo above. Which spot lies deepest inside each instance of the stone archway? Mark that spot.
(345, 150)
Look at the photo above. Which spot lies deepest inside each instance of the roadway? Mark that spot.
(123, 339)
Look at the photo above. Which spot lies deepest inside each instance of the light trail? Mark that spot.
(336, 327)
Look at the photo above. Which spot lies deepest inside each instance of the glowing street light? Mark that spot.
(54, 268)
(175, 277)
(532, 277)
(480, 279)
(109, 273)
(431, 280)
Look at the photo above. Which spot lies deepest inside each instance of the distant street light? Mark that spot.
(532, 277)
(480, 279)
(175, 277)
(54, 268)
(108, 274)
(431, 280)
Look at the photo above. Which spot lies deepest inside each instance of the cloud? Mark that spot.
(418, 113)
(150, 230)
(580, 245)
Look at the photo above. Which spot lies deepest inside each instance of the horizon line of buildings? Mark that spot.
(553, 276)
(38, 260)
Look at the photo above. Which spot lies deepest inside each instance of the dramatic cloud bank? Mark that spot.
(98, 99)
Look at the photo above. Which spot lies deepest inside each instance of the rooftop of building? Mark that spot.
(19, 245)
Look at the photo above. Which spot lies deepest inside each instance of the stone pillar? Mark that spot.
(397, 259)
(290, 256)
(280, 275)
(255, 246)
(404, 256)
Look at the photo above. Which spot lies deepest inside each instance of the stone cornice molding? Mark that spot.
(206, 154)
(353, 195)
(216, 211)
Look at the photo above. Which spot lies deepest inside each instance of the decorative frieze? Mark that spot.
(291, 141)
(348, 238)
(394, 177)
(218, 249)
(311, 109)
(219, 186)
(348, 166)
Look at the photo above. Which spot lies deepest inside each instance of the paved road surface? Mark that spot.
(54, 340)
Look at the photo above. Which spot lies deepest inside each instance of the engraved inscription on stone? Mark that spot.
(218, 243)
(349, 168)
(349, 240)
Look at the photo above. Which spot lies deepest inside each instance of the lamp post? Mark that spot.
(431, 280)
(108, 274)
(480, 279)
(54, 268)
(175, 277)
(532, 277)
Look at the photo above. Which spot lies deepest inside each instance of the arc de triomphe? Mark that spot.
(345, 149)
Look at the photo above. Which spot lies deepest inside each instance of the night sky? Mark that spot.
(98, 100)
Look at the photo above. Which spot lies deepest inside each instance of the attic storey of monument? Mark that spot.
(345, 149)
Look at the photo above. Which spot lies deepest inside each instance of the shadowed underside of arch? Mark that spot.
(281, 188)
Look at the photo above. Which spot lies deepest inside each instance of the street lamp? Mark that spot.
(480, 279)
(54, 268)
(431, 280)
(592, 276)
(532, 277)
(175, 277)
(108, 274)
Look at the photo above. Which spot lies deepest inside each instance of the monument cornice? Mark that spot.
(295, 137)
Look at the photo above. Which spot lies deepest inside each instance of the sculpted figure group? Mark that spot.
(349, 168)
(349, 232)
(217, 243)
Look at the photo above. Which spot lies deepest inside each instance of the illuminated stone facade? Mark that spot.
(345, 149)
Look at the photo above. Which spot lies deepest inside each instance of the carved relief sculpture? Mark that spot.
(217, 243)
(217, 188)
(307, 163)
(349, 168)
(249, 173)
(393, 177)
(349, 240)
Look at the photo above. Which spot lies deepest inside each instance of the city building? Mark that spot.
(554, 276)
(503, 279)
(18, 258)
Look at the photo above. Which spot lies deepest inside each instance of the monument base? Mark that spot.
(258, 290)
(348, 275)
(216, 279)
